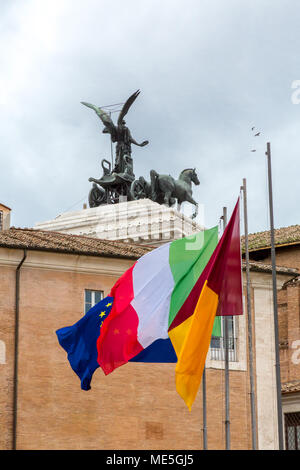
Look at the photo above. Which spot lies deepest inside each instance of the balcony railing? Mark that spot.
(217, 349)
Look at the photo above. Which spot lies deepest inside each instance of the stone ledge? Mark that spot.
(142, 221)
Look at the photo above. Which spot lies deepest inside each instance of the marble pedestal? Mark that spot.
(142, 221)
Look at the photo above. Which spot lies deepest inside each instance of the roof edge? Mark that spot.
(268, 247)
(68, 252)
(1, 204)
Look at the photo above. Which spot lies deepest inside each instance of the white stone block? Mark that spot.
(142, 221)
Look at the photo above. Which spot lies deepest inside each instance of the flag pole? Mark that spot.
(204, 406)
(226, 365)
(275, 305)
(204, 409)
(111, 149)
(249, 317)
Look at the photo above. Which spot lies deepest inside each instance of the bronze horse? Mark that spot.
(166, 187)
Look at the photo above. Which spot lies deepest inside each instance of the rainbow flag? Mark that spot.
(164, 307)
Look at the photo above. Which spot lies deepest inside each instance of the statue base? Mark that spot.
(142, 221)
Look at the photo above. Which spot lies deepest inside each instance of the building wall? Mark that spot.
(289, 330)
(288, 256)
(289, 314)
(265, 371)
(7, 314)
(135, 407)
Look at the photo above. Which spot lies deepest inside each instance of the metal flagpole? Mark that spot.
(111, 149)
(275, 306)
(249, 316)
(204, 409)
(227, 417)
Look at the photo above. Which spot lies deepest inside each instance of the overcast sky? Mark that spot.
(208, 72)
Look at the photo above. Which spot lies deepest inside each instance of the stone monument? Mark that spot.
(125, 208)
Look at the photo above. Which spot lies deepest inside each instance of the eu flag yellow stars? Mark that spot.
(104, 311)
(80, 341)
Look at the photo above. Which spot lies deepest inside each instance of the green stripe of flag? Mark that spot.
(188, 257)
(217, 327)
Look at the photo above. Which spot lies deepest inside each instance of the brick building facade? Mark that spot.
(137, 406)
(287, 241)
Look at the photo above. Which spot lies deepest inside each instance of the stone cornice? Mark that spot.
(65, 262)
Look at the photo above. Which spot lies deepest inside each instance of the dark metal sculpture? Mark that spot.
(120, 181)
(140, 189)
(111, 186)
(164, 189)
(119, 134)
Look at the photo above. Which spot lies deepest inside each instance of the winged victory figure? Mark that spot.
(119, 133)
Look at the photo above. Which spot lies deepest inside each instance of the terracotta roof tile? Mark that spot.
(283, 236)
(67, 243)
(292, 282)
(43, 240)
(258, 266)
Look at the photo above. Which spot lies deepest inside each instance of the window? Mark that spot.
(91, 298)
(1, 220)
(217, 344)
(292, 431)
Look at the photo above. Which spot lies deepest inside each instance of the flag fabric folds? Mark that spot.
(163, 309)
(80, 341)
(221, 294)
(148, 297)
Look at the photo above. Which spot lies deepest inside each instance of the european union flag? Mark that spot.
(80, 341)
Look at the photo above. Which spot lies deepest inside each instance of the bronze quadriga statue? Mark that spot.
(115, 182)
(120, 181)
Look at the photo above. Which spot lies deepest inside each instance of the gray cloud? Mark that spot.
(207, 71)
